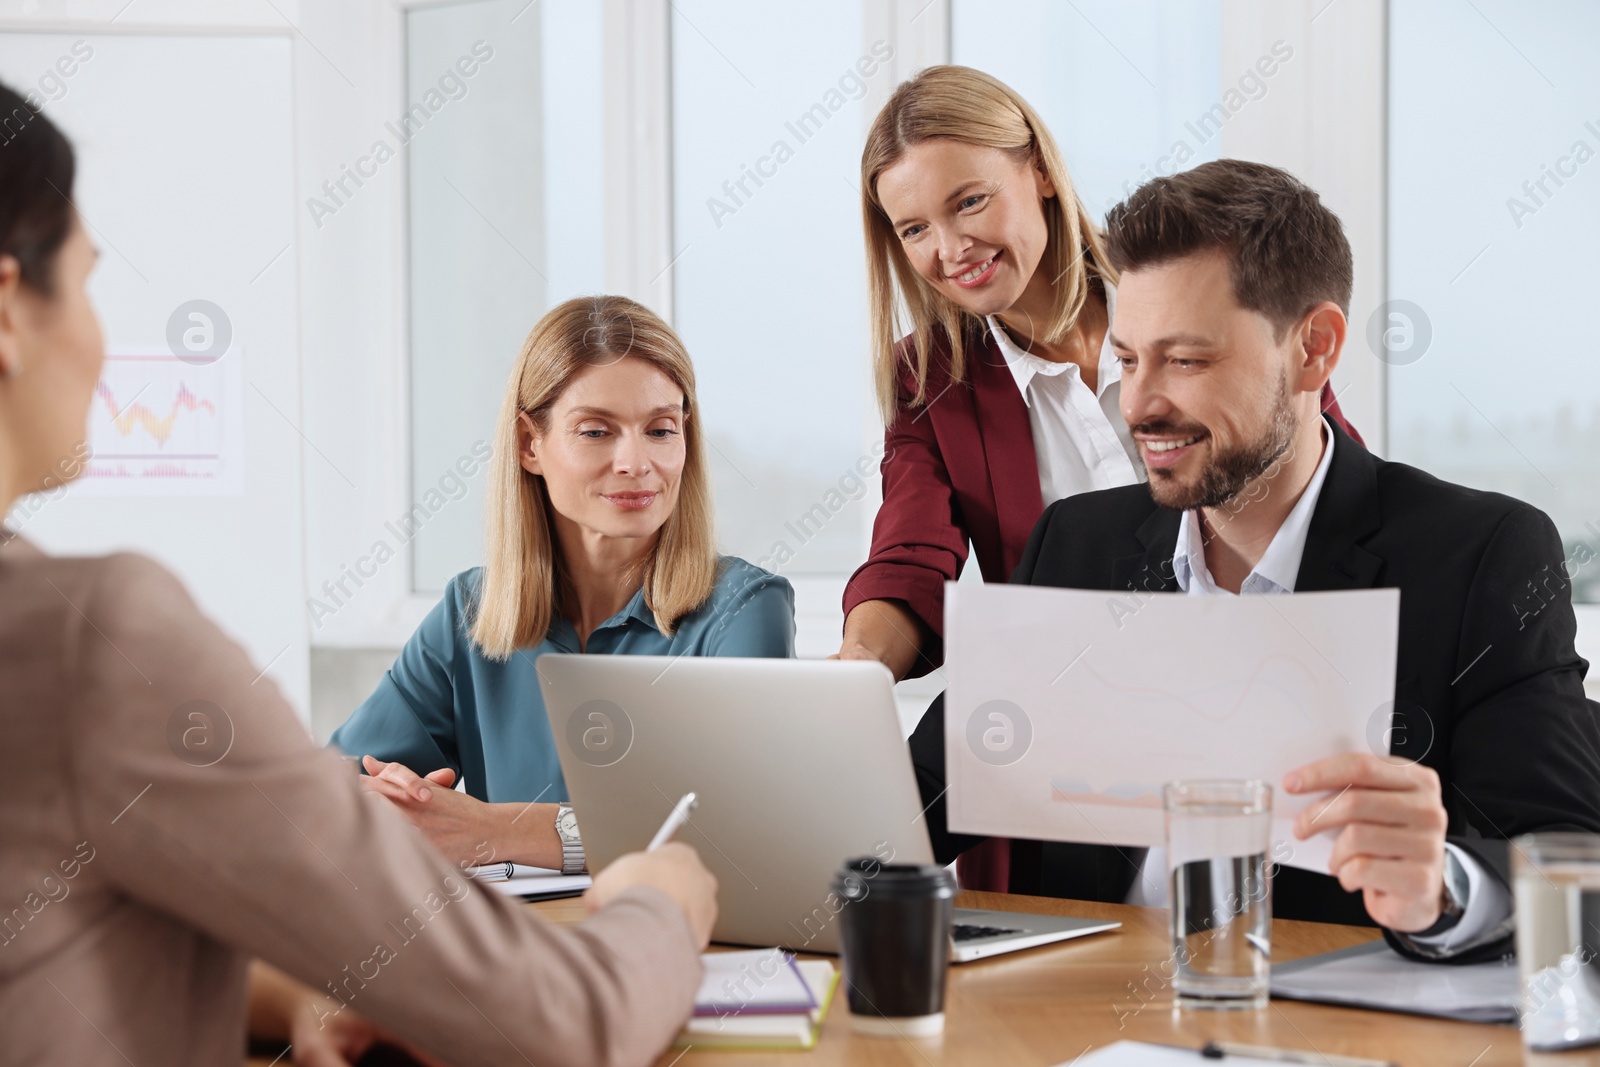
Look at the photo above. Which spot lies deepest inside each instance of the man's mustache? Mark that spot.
(1168, 429)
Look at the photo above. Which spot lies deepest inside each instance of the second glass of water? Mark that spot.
(1218, 836)
(1557, 883)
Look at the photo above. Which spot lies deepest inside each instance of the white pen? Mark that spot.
(675, 820)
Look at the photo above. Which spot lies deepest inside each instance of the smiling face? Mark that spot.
(612, 450)
(970, 219)
(1211, 395)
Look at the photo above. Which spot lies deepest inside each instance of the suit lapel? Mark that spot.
(1346, 514)
(1150, 571)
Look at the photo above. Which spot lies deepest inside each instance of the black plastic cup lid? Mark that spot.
(862, 878)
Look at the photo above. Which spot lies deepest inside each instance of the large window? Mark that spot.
(505, 181)
(1494, 202)
(767, 127)
(1127, 88)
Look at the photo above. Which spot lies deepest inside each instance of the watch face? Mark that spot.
(567, 823)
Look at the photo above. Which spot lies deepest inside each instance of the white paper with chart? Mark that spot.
(166, 425)
(1067, 709)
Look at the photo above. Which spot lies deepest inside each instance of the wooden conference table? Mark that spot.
(1049, 1005)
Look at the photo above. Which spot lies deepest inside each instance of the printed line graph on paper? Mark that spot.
(155, 416)
(1278, 677)
(1275, 687)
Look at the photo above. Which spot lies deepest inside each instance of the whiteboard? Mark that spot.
(186, 177)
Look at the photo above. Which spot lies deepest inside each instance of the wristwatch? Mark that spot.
(1453, 897)
(571, 844)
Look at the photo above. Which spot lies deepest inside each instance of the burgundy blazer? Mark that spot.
(960, 468)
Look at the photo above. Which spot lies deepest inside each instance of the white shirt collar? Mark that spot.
(1024, 365)
(1280, 563)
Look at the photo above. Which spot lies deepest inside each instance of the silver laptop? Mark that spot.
(798, 766)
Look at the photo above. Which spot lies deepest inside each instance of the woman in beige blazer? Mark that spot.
(164, 817)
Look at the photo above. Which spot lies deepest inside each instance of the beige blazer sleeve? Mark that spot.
(228, 818)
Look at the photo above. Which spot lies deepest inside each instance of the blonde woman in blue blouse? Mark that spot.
(599, 541)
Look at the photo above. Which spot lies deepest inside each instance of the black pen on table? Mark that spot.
(1217, 1050)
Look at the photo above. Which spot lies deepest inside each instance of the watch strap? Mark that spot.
(1454, 896)
(572, 857)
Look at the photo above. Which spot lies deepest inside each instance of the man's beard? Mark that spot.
(1227, 473)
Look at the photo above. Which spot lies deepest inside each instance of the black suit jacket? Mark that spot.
(1488, 690)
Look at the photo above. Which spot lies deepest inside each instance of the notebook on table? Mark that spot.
(760, 999)
(530, 883)
(1375, 976)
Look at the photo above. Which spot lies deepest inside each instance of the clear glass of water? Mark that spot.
(1218, 836)
(1556, 879)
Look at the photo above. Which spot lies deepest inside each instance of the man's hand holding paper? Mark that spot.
(1390, 823)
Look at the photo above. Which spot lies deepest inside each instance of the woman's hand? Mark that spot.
(318, 1038)
(319, 1030)
(464, 828)
(674, 869)
(459, 825)
(417, 788)
(886, 631)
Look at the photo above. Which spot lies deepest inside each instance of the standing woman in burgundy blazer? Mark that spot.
(1004, 396)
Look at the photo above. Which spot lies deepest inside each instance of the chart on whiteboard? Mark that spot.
(163, 426)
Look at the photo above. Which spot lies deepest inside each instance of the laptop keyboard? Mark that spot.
(971, 932)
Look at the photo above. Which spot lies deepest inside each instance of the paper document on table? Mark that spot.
(1140, 1054)
(1376, 976)
(1068, 709)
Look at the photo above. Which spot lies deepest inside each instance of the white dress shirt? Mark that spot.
(1079, 436)
(1488, 902)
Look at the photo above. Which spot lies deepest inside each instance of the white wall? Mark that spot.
(341, 375)
(184, 133)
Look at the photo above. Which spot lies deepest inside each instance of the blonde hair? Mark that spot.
(966, 105)
(524, 582)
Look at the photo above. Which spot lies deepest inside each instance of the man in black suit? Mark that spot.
(1231, 315)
